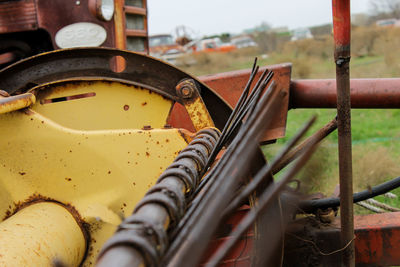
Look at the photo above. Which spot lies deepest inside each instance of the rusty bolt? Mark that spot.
(186, 91)
(185, 88)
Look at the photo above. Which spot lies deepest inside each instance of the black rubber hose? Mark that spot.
(309, 206)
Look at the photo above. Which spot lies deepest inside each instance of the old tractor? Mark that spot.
(114, 158)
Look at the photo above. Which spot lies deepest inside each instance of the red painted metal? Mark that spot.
(378, 239)
(365, 93)
(17, 16)
(341, 22)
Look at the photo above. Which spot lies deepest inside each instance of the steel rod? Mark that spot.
(293, 154)
(341, 33)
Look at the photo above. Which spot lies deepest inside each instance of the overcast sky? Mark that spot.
(206, 17)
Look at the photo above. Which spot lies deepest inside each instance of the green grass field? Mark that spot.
(375, 133)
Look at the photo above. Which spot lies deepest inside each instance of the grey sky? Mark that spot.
(207, 17)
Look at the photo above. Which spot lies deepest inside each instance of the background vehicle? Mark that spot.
(164, 47)
(209, 45)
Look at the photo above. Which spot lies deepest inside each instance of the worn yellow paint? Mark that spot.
(108, 105)
(198, 114)
(12, 103)
(39, 234)
(102, 173)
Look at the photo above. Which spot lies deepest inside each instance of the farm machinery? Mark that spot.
(114, 158)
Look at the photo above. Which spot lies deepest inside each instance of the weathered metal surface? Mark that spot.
(194, 105)
(102, 173)
(365, 93)
(12, 103)
(162, 207)
(230, 85)
(341, 35)
(40, 234)
(140, 70)
(17, 16)
(101, 104)
(377, 241)
(55, 14)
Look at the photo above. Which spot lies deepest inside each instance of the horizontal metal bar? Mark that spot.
(365, 93)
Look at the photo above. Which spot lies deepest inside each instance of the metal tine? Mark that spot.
(255, 95)
(248, 102)
(293, 154)
(262, 174)
(264, 201)
(233, 114)
(249, 108)
(198, 197)
(213, 173)
(254, 126)
(266, 106)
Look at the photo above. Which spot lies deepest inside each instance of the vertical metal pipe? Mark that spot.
(341, 33)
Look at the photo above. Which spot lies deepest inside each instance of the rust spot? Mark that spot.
(70, 151)
(147, 154)
(31, 119)
(129, 162)
(126, 107)
(68, 179)
(129, 152)
(109, 172)
(42, 121)
(22, 173)
(147, 127)
(144, 103)
(166, 140)
(124, 204)
(157, 143)
(134, 183)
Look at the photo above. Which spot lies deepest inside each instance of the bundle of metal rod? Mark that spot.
(142, 238)
(265, 199)
(191, 242)
(244, 107)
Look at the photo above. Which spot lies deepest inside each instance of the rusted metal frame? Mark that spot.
(271, 193)
(365, 93)
(95, 62)
(205, 184)
(145, 231)
(312, 243)
(18, 16)
(341, 35)
(119, 25)
(293, 154)
(266, 169)
(211, 208)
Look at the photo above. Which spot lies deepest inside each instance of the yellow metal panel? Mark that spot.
(100, 105)
(102, 173)
(39, 234)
